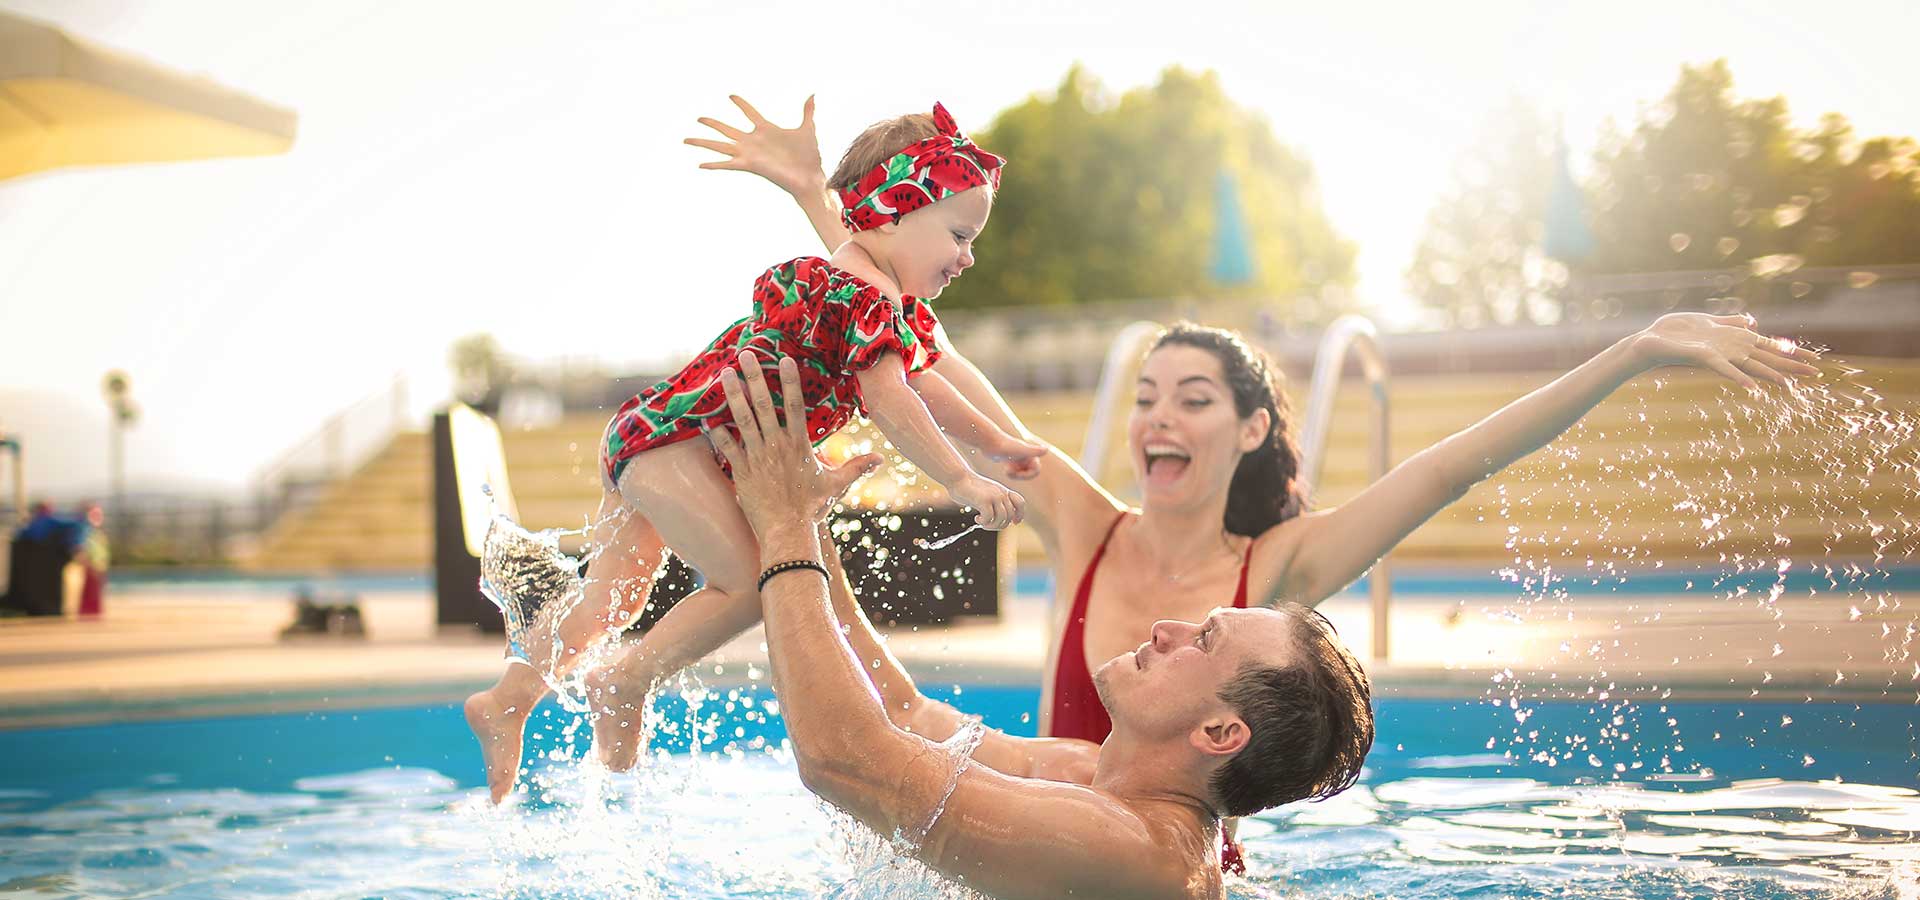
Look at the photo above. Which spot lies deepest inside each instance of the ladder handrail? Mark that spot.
(1356, 334)
(12, 445)
(1123, 361)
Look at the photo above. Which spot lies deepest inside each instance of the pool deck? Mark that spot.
(177, 651)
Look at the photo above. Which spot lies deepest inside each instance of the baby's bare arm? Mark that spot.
(958, 417)
(903, 414)
(900, 413)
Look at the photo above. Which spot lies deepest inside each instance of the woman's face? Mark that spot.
(1185, 436)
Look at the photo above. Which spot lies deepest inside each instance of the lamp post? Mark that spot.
(118, 390)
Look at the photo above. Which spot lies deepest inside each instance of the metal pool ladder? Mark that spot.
(1350, 333)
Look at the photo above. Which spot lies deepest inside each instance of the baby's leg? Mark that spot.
(628, 553)
(681, 490)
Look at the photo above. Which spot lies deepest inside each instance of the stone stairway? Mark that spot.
(1675, 470)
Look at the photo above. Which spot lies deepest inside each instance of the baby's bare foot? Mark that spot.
(500, 728)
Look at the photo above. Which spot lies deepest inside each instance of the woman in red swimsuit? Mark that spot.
(1220, 521)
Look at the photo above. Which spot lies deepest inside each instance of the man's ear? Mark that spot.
(1253, 432)
(1222, 735)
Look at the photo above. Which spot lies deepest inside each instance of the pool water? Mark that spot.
(1461, 799)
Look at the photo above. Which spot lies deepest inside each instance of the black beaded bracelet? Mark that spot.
(789, 566)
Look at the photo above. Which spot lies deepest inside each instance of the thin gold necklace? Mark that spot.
(1226, 546)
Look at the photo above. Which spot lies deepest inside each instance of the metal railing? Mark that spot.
(17, 456)
(332, 451)
(1357, 334)
(1348, 333)
(1122, 364)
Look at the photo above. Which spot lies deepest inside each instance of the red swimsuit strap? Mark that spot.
(1085, 589)
(1076, 703)
(1240, 596)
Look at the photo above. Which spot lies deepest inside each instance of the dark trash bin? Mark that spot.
(36, 567)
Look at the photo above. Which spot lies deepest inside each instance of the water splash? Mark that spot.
(535, 586)
(945, 542)
(1795, 504)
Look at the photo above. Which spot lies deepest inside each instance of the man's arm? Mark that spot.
(1053, 759)
(1011, 837)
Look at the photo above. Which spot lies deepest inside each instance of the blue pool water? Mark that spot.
(1460, 799)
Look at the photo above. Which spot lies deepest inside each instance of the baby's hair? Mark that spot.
(878, 143)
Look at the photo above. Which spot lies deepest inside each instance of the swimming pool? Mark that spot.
(1460, 799)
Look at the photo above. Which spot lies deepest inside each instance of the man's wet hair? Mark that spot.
(1310, 722)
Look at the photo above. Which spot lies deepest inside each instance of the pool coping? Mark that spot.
(1465, 685)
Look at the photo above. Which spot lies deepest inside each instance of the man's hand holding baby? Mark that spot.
(783, 488)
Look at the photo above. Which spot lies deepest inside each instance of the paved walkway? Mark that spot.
(181, 652)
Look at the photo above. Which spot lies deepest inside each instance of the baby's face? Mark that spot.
(932, 245)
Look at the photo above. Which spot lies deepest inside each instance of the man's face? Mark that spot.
(1172, 683)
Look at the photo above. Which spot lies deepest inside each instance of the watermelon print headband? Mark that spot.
(923, 174)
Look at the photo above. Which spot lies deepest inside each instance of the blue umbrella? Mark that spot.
(1232, 257)
(1568, 238)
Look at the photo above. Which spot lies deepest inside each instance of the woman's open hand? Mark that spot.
(1728, 345)
(788, 157)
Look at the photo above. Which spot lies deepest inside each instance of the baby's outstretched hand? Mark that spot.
(788, 157)
(996, 506)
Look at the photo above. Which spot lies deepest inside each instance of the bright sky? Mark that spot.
(467, 167)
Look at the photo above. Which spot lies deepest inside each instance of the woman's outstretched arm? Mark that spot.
(1328, 549)
(976, 432)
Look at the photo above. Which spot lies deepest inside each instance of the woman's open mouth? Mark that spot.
(1165, 463)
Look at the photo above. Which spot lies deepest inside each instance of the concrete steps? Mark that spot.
(1609, 487)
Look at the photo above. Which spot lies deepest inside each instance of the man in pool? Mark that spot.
(1247, 710)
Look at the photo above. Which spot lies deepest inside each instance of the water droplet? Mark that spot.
(1774, 265)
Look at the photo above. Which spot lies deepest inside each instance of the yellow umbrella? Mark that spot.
(64, 102)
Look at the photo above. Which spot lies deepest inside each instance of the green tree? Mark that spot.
(480, 368)
(1708, 181)
(1106, 200)
(1703, 181)
(1480, 260)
